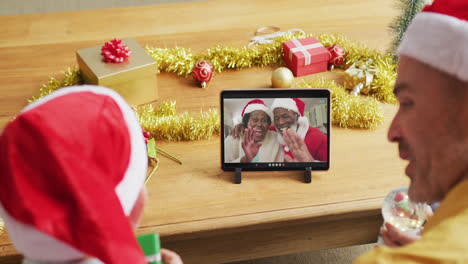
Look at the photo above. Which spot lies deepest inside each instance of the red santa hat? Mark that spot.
(254, 105)
(437, 36)
(73, 165)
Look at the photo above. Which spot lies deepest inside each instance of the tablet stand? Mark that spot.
(238, 179)
(308, 175)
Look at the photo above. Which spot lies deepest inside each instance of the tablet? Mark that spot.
(277, 129)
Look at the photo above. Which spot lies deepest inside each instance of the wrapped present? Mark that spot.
(305, 56)
(134, 78)
(151, 246)
(359, 76)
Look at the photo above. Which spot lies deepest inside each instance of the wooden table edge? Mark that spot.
(266, 220)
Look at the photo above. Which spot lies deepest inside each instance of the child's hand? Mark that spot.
(170, 257)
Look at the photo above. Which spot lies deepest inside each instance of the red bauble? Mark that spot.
(115, 51)
(337, 55)
(202, 72)
(146, 134)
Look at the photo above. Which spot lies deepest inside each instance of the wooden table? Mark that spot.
(195, 207)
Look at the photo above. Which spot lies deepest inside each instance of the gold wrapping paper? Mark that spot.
(359, 76)
(134, 79)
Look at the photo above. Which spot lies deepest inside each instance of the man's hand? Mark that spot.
(393, 237)
(170, 257)
(237, 131)
(249, 146)
(297, 147)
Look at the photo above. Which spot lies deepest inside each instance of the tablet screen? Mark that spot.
(275, 129)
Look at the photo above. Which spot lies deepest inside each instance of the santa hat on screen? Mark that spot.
(437, 36)
(296, 105)
(73, 165)
(253, 105)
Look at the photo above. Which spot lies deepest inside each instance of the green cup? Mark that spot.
(151, 246)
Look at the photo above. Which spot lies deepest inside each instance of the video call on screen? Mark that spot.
(266, 128)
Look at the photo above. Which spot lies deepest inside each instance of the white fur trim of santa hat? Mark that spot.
(438, 40)
(286, 103)
(254, 107)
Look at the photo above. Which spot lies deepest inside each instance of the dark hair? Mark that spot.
(246, 117)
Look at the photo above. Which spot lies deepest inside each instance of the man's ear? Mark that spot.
(137, 211)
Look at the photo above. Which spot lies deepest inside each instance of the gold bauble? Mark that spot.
(282, 78)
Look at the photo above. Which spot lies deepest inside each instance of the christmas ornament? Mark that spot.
(359, 77)
(402, 213)
(337, 56)
(282, 78)
(202, 72)
(115, 51)
(147, 135)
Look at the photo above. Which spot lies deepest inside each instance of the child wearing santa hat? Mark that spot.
(73, 166)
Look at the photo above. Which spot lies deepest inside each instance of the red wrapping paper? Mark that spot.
(305, 56)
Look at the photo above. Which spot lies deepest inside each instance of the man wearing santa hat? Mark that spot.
(73, 166)
(431, 129)
(301, 142)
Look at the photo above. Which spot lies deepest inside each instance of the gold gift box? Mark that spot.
(358, 77)
(134, 79)
(354, 77)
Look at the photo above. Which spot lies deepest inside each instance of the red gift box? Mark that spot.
(305, 56)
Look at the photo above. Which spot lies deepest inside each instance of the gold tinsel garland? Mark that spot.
(382, 85)
(347, 111)
(181, 61)
(71, 77)
(164, 123)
